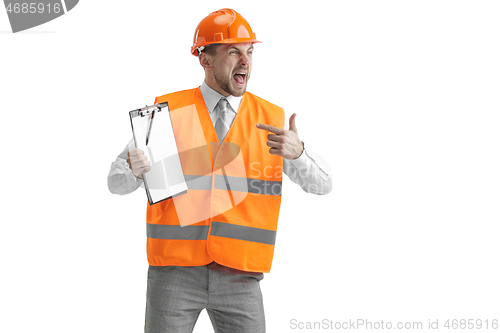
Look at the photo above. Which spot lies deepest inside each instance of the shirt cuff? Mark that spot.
(301, 160)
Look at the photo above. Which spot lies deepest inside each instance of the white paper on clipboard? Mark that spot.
(154, 134)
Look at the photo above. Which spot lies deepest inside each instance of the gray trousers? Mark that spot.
(176, 295)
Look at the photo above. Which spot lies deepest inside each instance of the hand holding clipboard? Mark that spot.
(155, 157)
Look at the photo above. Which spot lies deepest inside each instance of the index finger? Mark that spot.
(270, 128)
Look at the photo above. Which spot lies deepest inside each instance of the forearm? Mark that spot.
(121, 180)
(310, 171)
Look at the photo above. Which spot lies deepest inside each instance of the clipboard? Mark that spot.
(154, 134)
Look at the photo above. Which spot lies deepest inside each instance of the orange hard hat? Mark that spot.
(225, 26)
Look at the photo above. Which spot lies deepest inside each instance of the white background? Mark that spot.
(400, 97)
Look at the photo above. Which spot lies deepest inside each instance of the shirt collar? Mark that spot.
(212, 97)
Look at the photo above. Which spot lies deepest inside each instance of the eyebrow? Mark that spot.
(235, 48)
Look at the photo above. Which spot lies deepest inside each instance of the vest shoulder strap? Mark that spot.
(267, 105)
(177, 99)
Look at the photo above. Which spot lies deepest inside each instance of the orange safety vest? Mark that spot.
(230, 211)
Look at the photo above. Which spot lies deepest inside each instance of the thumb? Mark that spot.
(292, 127)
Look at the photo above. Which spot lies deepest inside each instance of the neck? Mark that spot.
(212, 84)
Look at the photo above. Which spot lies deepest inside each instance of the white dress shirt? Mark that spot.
(309, 170)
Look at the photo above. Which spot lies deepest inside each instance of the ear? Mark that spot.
(205, 60)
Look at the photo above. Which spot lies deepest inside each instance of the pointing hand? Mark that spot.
(285, 143)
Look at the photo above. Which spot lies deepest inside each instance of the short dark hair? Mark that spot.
(210, 49)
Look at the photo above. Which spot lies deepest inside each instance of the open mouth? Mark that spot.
(240, 78)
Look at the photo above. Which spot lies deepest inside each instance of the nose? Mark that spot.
(245, 59)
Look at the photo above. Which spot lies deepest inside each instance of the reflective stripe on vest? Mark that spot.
(198, 182)
(257, 186)
(192, 232)
(243, 233)
(160, 231)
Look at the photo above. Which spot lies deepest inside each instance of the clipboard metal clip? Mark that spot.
(147, 110)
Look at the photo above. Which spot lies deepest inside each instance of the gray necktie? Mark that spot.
(226, 116)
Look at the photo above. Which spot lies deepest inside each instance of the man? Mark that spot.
(233, 167)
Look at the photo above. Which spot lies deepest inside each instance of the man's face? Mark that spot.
(232, 65)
